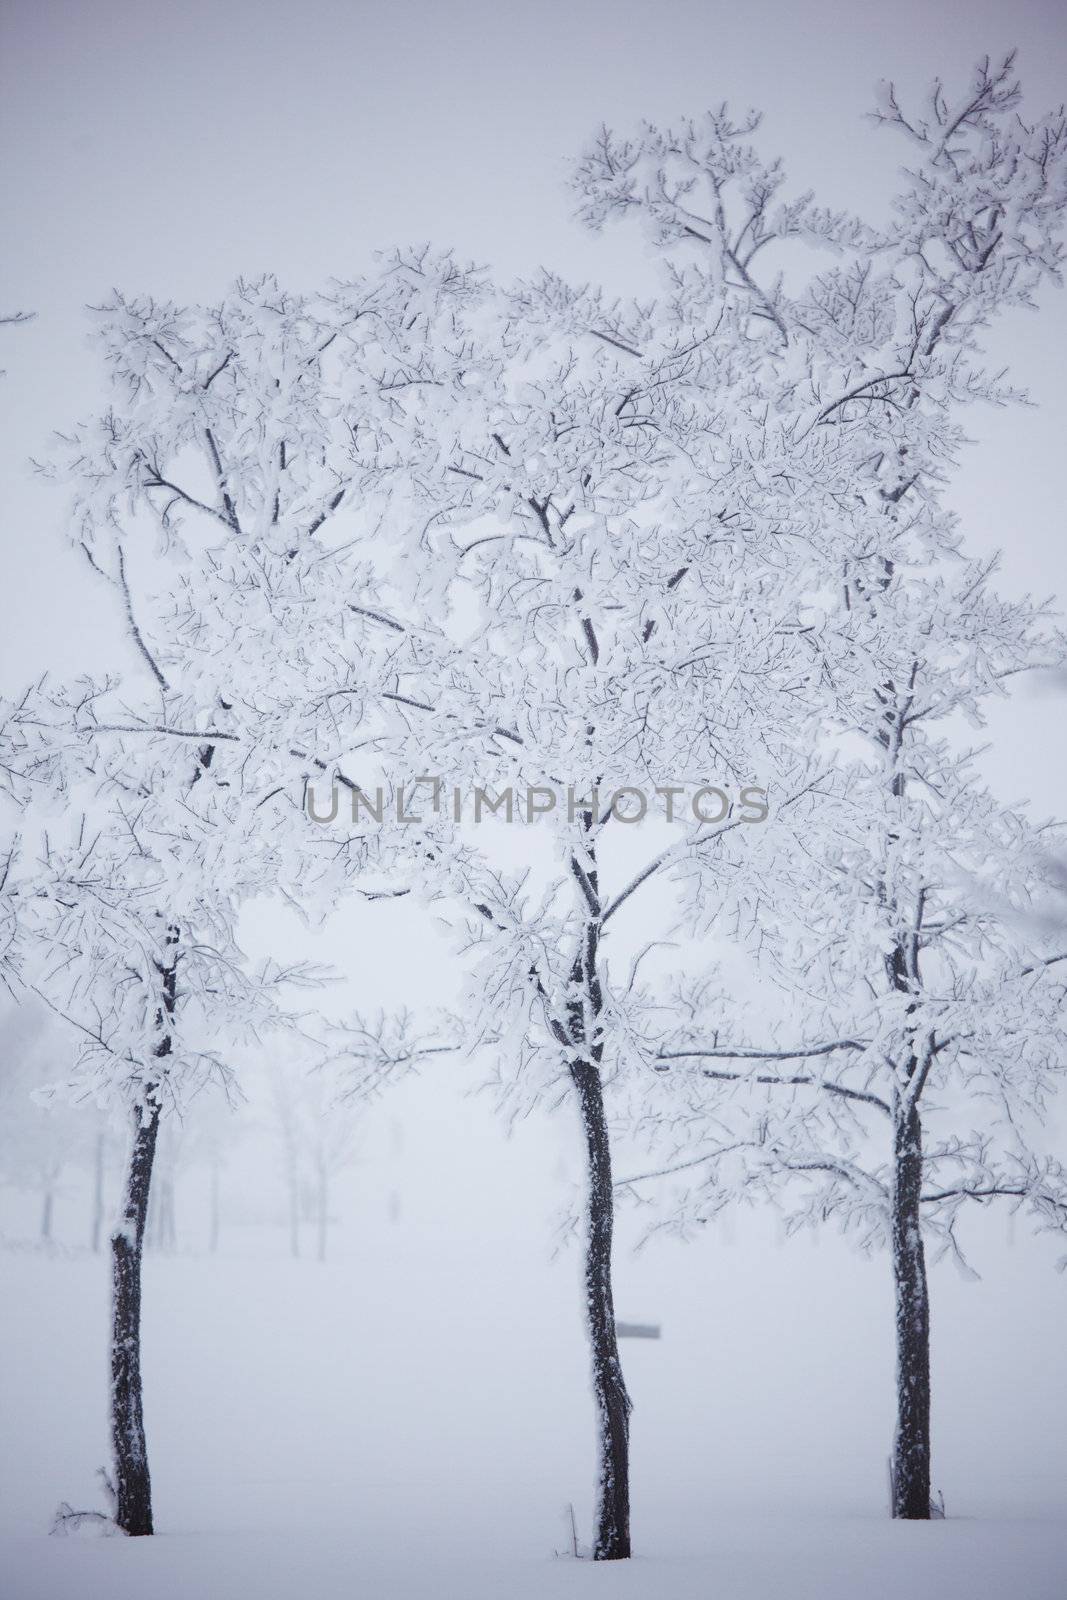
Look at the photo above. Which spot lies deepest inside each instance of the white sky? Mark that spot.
(166, 148)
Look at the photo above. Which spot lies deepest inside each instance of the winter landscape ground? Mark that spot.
(411, 1419)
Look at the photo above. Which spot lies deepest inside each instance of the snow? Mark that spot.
(413, 1417)
(751, 1558)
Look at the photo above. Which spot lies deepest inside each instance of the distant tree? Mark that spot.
(38, 1144)
(103, 1152)
(320, 1104)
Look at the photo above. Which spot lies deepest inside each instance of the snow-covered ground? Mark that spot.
(412, 1418)
(744, 1557)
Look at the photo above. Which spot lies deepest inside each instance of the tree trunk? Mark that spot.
(47, 1206)
(133, 1486)
(151, 1226)
(132, 1483)
(294, 1217)
(582, 1035)
(609, 1388)
(323, 1200)
(911, 1445)
(215, 1208)
(99, 1158)
(168, 1234)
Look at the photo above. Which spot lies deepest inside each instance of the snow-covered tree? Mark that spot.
(896, 922)
(922, 1026)
(281, 647)
(202, 500)
(544, 543)
(621, 638)
(123, 897)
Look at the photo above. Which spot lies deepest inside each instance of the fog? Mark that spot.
(354, 1423)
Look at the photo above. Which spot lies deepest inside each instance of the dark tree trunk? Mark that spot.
(133, 1486)
(911, 1445)
(132, 1483)
(47, 1207)
(586, 1002)
(609, 1388)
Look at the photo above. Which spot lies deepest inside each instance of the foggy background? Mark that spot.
(167, 149)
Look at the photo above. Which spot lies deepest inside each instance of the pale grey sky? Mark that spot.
(167, 148)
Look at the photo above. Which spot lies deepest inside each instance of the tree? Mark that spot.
(103, 1151)
(910, 959)
(540, 541)
(38, 1143)
(616, 642)
(320, 1099)
(318, 1133)
(923, 1024)
(233, 431)
(148, 994)
(237, 439)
